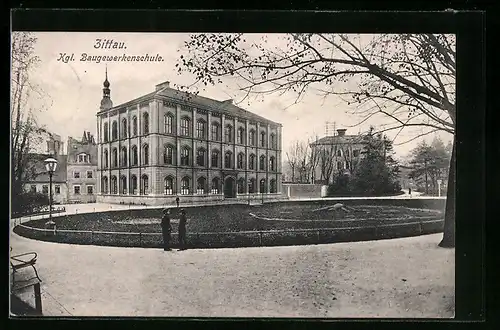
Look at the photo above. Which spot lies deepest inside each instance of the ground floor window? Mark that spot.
(215, 186)
(76, 190)
(251, 186)
(144, 184)
(45, 189)
(185, 186)
(200, 186)
(169, 186)
(241, 186)
(90, 190)
(272, 187)
(57, 188)
(262, 186)
(33, 188)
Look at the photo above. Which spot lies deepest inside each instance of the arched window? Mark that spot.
(169, 185)
(114, 131)
(252, 137)
(185, 186)
(123, 131)
(200, 157)
(262, 139)
(168, 123)
(228, 133)
(215, 158)
(340, 166)
(251, 162)
(240, 160)
(133, 184)
(134, 126)
(168, 155)
(215, 131)
(262, 186)
(106, 132)
(104, 187)
(201, 130)
(272, 163)
(144, 184)
(106, 158)
(273, 141)
(185, 161)
(123, 184)
(145, 123)
(145, 154)
(240, 138)
(114, 157)
(241, 186)
(215, 186)
(114, 185)
(185, 131)
(201, 185)
(262, 163)
(251, 186)
(123, 157)
(347, 153)
(134, 156)
(228, 159)
(339, 153)
(272, 188)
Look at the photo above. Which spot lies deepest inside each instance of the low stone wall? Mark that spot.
(302, 190)
(157, 200)
(237, 239)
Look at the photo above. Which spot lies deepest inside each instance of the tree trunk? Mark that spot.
(448, 240)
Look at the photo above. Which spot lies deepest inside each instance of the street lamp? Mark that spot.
(50, 166)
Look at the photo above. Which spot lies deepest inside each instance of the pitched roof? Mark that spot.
(337, 139)
(198, 101)
(41, 175)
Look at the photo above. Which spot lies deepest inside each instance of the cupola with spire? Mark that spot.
(106, 102)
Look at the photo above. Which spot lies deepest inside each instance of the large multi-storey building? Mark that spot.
(82, 169)
(334, 154)
(169, 144)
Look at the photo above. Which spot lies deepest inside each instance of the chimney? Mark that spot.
(165, 84)
(341, 131)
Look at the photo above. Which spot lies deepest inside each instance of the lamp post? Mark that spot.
(50, 166)
(439, 181)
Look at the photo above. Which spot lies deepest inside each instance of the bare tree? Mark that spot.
(26, 134)
(409, 78)
(314, 158)
(293, 157)
(327, 162)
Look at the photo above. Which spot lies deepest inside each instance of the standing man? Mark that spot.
(177, 201)
(166, 229)
(182, 230)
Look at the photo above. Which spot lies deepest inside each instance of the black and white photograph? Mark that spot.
(254, 175)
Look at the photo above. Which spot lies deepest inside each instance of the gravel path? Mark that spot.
(409, 277)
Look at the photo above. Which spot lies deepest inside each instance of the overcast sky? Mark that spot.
(74, 89)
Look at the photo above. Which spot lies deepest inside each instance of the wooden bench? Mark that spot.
(21, 261)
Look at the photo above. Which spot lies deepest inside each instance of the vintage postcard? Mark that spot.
(299, 175)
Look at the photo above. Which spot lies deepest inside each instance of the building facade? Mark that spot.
(336, 154)
(40, 179)
(82, 169)
(169, 144)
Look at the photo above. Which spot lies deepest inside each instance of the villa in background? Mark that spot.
(39, 181)
(169, 143)
(82, 169)
(335, 154)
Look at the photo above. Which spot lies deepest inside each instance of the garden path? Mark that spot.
(409, 277)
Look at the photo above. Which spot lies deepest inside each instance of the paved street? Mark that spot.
(408, 277)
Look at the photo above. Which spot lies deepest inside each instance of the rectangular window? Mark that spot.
(57, 189)
(76, 175)
(89, 174)
(90, 190)
(33, 188)
(45, 189)
(76, 190)
(168, 124)
(200, 130)
(185, 127)
(215, 132)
